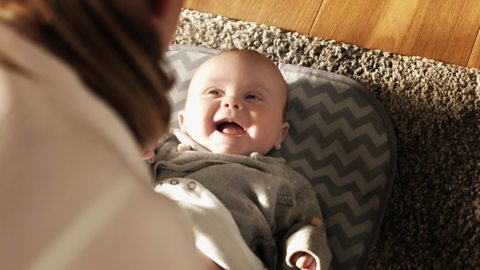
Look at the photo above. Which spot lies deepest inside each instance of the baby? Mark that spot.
(233, 117)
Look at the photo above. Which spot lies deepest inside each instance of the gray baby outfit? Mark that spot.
(274, 207)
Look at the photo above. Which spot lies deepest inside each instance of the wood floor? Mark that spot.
(444, 30)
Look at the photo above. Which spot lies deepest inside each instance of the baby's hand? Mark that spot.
(304, 261)
(148, 153)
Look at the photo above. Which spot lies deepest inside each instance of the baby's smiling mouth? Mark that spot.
(230, 128)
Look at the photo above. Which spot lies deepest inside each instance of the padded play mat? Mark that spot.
(340, 139)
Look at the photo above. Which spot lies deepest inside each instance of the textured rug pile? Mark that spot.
(432, 220)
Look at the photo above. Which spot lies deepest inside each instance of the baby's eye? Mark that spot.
(214, 92)
(253, 97)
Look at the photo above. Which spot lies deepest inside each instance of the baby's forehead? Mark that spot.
(242, 56)
(212, 68)
(253, 60)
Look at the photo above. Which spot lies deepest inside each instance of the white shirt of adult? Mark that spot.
(74, 193)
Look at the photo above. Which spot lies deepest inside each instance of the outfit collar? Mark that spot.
(186, 142)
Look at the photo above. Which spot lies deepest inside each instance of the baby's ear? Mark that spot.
(180, 119)
(283, 133)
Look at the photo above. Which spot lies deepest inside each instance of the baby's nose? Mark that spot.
(232, 103)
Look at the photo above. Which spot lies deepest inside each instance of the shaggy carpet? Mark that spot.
(432, 220)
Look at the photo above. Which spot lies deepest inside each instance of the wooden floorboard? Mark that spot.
(475, 55)
(285, 14)
(444, 30)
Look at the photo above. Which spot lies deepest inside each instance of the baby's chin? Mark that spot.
(237, 147)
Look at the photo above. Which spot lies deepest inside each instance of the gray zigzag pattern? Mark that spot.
(188, 64)
(342, 168)
(348, 205)
(361, 184)
(177, 100)
(332, 100)
(321, 109)
(345, 208)
(338, 231)
(355, 213)
(338, 141)
(316, 124)
(357, 197)
(349, 209)
(368, 123)
(360, 195)
(348, 145)
(347, 258)
(186, 60)
(326, 186)
(327, 87)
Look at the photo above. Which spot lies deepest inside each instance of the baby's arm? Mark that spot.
(306, 244)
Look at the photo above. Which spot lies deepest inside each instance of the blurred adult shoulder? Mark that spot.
(74, 193)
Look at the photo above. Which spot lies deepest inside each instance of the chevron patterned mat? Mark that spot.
(342, 141)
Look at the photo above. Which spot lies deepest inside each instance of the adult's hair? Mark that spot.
(116, 55)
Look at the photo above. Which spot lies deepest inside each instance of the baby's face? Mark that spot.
(235, 105)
